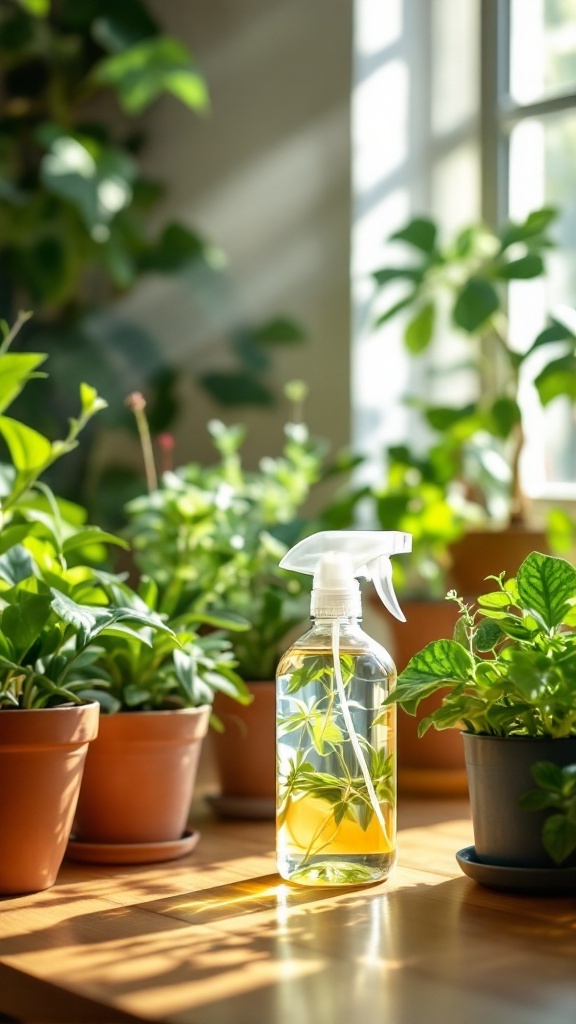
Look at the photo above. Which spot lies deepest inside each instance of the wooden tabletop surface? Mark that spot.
(217, 937)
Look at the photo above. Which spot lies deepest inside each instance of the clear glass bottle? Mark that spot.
(336, 789)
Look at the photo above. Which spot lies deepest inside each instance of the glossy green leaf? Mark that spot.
(488, 635)
(545, 587)
(475, 304)
(29, 450)
(15, 370)
(439, 664)
(152, 67)
(16, 564)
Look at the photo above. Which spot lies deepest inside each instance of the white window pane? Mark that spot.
(542, 161)
(543, 48)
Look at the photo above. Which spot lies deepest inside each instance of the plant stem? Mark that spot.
(137, 404)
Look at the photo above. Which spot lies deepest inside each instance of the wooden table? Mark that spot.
(217, 937)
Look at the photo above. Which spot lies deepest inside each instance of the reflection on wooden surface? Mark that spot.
(219, 937)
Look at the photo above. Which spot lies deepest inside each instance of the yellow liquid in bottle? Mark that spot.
(327, 830)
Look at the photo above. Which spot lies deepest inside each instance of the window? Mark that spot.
(529, 106)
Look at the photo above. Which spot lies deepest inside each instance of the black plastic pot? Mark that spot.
(499, 773)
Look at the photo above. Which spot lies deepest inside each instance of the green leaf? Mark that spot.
(534, 225)
(16, 565)
(15, 370)
(487, 635)
(559, 837)
(523, 269)
(81, 617)
(387, 274)
(439, 664)
(90, 401)
(443, 417)
(30, 451)
(476, 303)
(420, 329)
(547, 775)
(323, 732)
(504, 415)
(154, 66)
(545, 587)
(420, 233)
(557, 378)
(23, 622)
(90, 536)
(555, 332)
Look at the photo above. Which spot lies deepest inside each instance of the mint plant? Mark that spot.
(509, 671)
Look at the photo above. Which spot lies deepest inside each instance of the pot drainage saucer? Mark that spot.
(552, 881)
(131, 853)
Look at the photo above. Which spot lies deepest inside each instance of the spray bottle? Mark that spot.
(336, 756)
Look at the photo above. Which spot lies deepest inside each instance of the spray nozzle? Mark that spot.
(337, 557)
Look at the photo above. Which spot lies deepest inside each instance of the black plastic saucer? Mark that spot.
(553, 881)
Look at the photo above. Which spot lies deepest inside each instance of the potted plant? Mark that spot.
(508, 682)
(53, 616)
(417, 497)
(213, 537)
(156, 698)
(462, 285)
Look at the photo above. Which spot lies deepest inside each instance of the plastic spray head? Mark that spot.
(336, 558)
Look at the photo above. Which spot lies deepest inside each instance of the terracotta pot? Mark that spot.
(245, 753)
(433, 764)
(42, 755)
(499, 770)
(481, 553)
(139, 776)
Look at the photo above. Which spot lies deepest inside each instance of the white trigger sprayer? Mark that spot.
(336, 559)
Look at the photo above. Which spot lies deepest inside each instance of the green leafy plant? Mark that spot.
(179, 669)
(509, 671)
(557, 792)
(416, 498)
(212, 537)
(54, 611)
(463, 284)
